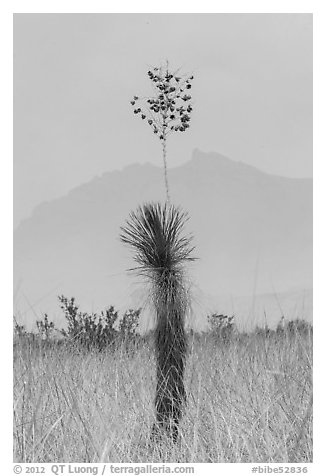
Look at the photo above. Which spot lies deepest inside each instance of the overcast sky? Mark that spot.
(74, 75)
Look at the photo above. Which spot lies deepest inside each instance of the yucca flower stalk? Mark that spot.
(168, 110)
(154, 232)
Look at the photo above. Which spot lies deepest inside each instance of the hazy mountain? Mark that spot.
(253, 236)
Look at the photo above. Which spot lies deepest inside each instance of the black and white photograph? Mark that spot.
(163, 239)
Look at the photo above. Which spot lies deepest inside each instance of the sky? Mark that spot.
(75, 74)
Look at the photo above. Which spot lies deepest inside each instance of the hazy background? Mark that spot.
(75, 73)
(75, 134)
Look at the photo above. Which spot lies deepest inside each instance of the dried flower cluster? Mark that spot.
(170, 109)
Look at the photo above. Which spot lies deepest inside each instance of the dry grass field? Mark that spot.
(249, 399)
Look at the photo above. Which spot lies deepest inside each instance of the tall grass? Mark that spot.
(249, 400)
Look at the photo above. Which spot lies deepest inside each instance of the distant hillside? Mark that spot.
(253, 236)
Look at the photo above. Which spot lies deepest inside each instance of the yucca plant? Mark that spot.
(154, 232)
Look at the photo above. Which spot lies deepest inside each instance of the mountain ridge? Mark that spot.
(197, 155)
(248, 225)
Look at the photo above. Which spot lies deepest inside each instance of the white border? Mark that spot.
(100, 6)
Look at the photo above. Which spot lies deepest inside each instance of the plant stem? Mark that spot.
(171, 345)
(165, 169)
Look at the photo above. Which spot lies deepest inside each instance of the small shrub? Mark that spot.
(45, 328)
(129, 324)
(293, 327)
(89, 330)
(70, 310)
(221, 326)
(19, 330)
